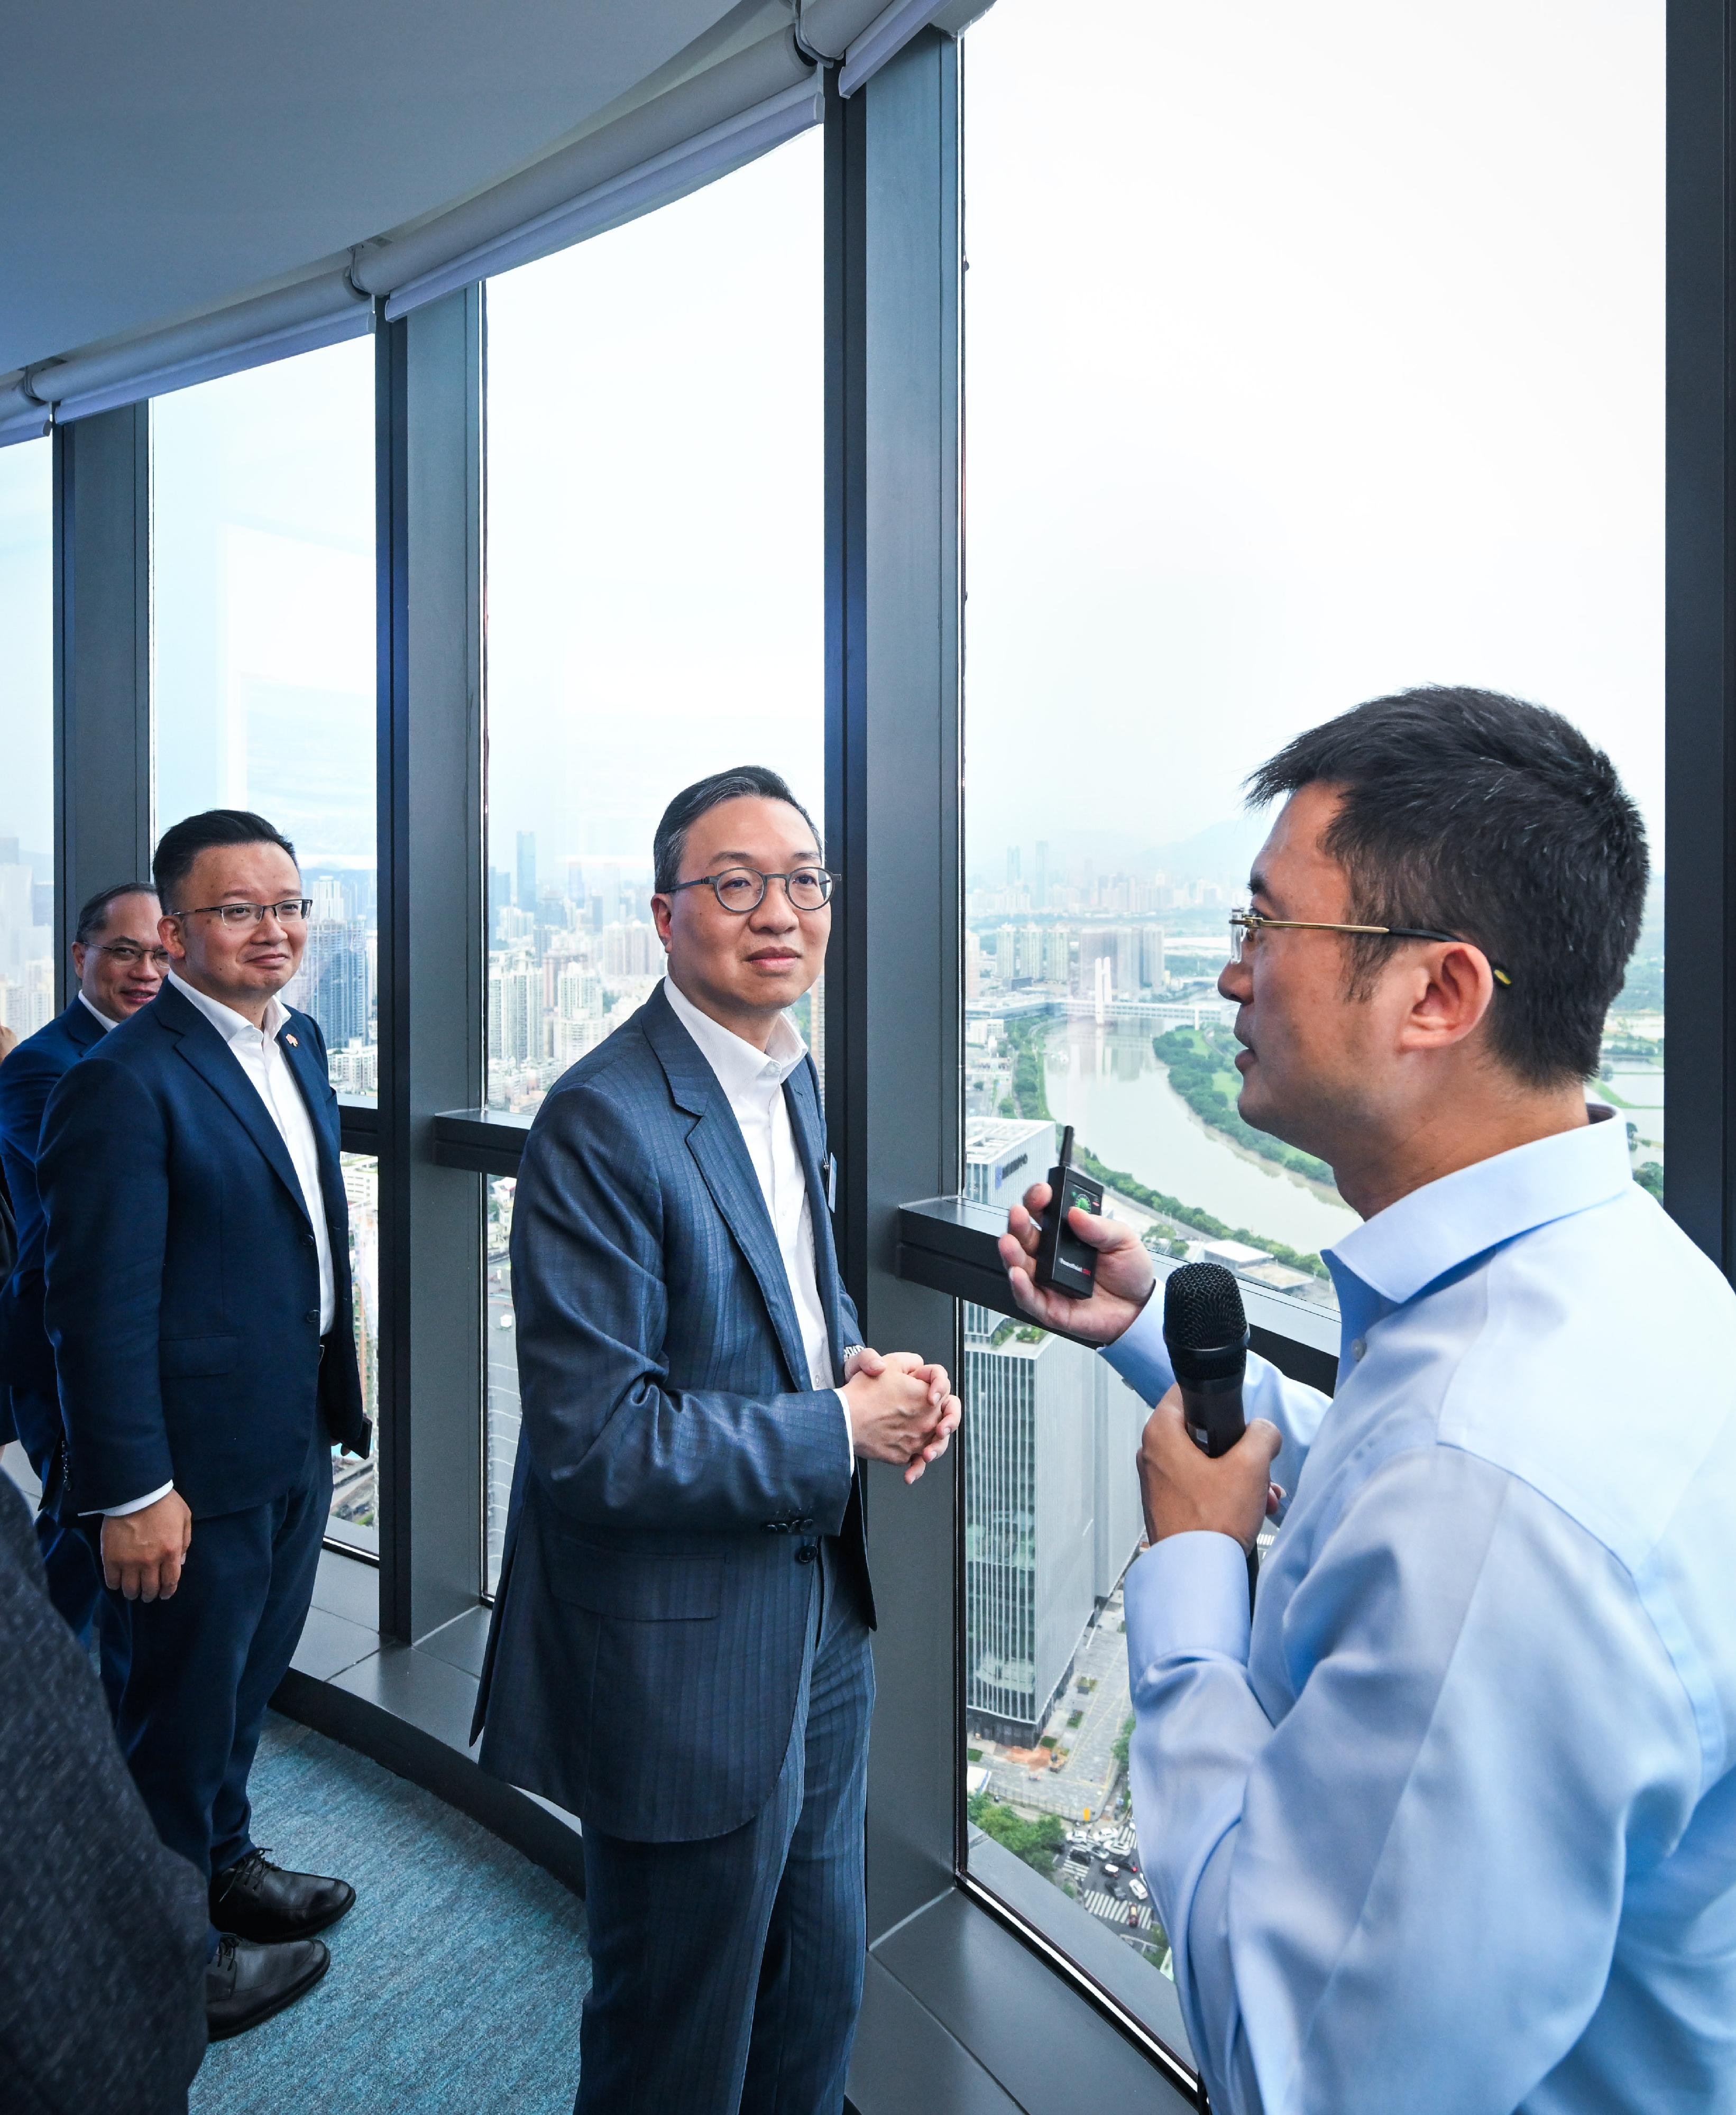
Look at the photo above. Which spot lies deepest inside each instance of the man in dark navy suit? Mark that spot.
(119, 960)
(679, 1652)
(198, 1300)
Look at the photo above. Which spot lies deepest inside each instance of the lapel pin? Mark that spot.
(291, 1042)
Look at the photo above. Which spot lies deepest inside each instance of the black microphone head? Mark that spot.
(1203, 1308)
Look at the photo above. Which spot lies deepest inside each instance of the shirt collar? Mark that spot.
(230, 1025)
(1410, 1245)
(97, 1015)
(739, 1066)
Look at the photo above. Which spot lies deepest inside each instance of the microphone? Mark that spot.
(1206, 1332)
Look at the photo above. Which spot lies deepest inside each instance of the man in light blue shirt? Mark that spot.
(1453, 1829)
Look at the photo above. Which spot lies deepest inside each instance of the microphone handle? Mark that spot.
(1213, 1409)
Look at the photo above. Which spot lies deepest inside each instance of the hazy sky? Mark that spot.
(27, 646)
(655, 522)
(1312, 353)
(1309, 354)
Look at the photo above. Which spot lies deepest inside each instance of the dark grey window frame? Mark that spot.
(968, 2006)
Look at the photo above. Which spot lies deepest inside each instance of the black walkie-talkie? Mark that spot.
(1064, 1262)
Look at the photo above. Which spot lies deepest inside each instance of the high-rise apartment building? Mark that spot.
(1052, 1512)
(526, 894)
(1151, 957)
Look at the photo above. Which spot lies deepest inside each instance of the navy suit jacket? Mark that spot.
(182, 1293)
(675, 1460)
(27, 1079)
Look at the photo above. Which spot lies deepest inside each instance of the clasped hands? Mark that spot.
(1185, 1491)
(902, 1409)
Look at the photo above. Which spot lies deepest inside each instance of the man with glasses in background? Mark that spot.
(679, 1653)
(119, 959)
(1451, 1828)
(198, 1300)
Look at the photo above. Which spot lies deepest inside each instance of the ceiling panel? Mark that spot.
(156, 161)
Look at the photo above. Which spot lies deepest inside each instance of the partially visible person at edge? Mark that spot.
(197, 1298)
(679, 1650)
(1453, 1829)
(119, 960)
(102, 1973)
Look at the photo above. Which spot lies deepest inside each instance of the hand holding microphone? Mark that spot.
(1200, 1468)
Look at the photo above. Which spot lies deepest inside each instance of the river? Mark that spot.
(1107, 1084)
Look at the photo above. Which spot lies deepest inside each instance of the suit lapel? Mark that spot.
(81, 1025)
(805, 1124)
(715, 1142)
(720, 1152)
(217, 1065)
(310, 1076)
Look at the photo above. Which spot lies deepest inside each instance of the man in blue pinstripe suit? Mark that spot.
(679, 1652)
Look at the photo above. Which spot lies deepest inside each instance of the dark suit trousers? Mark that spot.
(202, 1664)
(727, 1974)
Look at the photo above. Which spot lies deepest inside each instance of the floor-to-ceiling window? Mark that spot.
(27, 714)
(655, 539)
(263, 688)
(1310, 355)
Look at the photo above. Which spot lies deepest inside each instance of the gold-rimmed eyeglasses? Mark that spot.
(1246, 926)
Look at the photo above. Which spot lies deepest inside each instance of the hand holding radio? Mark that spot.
(1107, 1275)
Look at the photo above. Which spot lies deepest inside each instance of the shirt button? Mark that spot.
(1359, 1350)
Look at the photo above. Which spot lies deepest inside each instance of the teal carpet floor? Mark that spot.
(456, 1981)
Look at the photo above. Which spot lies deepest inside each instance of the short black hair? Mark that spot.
(745, 782)
(179, 847)
(93, 917)
(1479, 815)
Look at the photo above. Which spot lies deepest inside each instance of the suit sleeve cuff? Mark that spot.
(1187, 1598)
(133, 1505)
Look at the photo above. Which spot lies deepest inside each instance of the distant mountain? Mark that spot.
(1222, 851)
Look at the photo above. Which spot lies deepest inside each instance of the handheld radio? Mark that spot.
(1065, 1263)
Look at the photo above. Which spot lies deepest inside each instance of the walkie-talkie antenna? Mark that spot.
(1067, 1147)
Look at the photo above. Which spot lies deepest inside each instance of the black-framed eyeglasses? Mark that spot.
(1247, 925)
(126, 954)
(742, 888)
(293, 912)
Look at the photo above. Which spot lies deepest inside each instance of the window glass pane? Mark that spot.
(264, 646)
(655, 541)
(27, 714)
(500, 1353)
(1311, 356)
(655, 547)
(355, 1485)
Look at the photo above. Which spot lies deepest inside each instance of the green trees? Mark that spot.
(1036, 1842)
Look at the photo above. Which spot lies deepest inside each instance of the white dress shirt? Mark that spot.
(260, 1055)
(1454, 1830)
(752, 1080)
(97, 1014)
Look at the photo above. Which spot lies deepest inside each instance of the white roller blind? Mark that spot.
(682, 139)
(314, 312)
(738, 109)
(862, 35)
(20, 418)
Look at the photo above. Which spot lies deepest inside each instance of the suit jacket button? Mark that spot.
(806, 1553)
(311, 1315)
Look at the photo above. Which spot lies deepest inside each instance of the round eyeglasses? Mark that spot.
(742, 888)
(1247, 925)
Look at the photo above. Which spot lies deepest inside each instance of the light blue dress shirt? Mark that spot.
(1454, 1833)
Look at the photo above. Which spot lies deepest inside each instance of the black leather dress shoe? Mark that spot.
(256, 1900)
(245, 1984)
